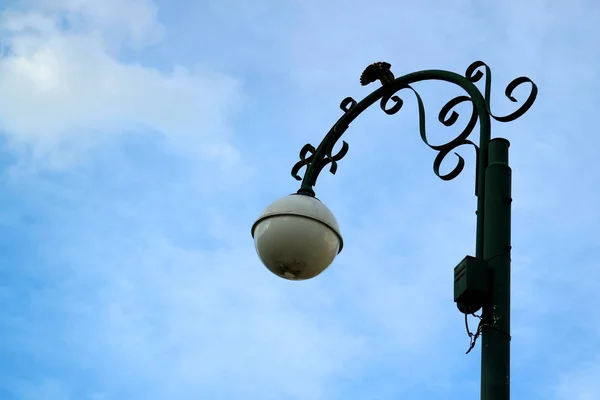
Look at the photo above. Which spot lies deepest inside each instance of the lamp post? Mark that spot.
(297, 237)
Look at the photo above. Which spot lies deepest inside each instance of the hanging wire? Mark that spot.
(473, 336)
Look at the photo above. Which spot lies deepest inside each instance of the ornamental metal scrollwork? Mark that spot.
(315, 159)
(448, 117)
(305, 159)
(473, 74)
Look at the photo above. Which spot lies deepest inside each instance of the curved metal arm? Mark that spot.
(317, 159)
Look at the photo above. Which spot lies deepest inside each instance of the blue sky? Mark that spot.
(140, 139)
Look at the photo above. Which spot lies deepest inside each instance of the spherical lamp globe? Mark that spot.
(297, 237)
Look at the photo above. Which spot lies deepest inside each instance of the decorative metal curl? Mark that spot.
(305, 159)
(448, 117)
(473, 74)
(315, 159)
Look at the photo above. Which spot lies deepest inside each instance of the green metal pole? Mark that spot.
(495, 336)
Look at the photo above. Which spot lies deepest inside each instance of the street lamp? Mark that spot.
(297, 237)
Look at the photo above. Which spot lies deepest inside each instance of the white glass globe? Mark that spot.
(297, 237)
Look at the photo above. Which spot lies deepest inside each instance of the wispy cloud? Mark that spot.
(141, 139)
(65, 92)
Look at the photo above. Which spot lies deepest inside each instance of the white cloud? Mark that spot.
(64, 92)
(135, 21)
(150, 284)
